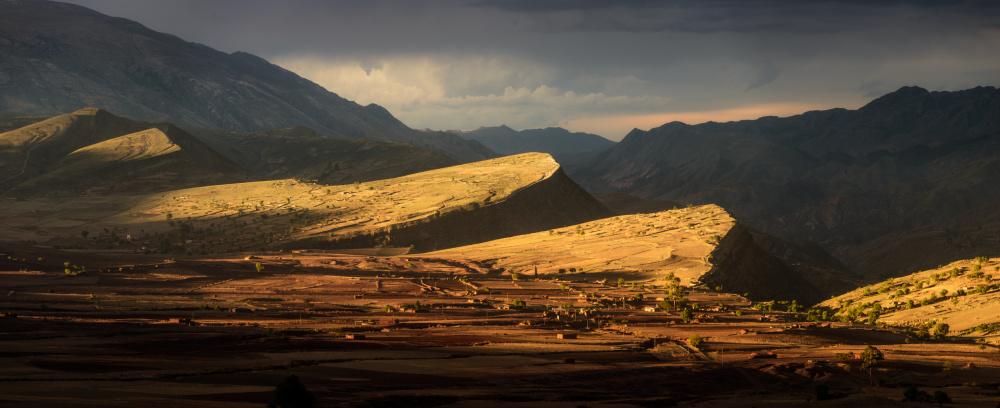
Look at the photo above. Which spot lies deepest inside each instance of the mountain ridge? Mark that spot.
(910, 162)
(59, 58)
(567, 147)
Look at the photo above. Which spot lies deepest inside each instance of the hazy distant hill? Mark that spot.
(914, 167)
(558, 142)
(56, 58)
(300, 152)
(94, 151)
(12, 120)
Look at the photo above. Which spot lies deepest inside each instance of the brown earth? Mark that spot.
(105, 338)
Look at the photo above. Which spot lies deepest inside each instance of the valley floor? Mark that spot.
(368, 330)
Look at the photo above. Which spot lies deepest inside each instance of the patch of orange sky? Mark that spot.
(616, 127)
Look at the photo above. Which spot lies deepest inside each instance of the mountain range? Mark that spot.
(904, 183)
(901, 184)
(57, 58)
(564, 146)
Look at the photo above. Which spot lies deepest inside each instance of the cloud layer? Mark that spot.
(594, 65)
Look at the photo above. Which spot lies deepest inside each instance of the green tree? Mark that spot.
(290, 393)
(260, 268)
(913, 394)
(695, 341)
(84, 233)
(941, 398)
(873, 317)
(674, 291)
(869, 359)
(687, 316)
(621, 282)
(941, 330)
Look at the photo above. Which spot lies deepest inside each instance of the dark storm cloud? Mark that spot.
(710, 16)
(533, 63)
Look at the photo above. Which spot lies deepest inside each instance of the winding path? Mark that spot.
(27, 156)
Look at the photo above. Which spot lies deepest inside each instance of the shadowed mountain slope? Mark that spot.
(302, 153)
(907, 165)
(57, 58)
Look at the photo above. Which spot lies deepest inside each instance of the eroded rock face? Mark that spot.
(742, 266)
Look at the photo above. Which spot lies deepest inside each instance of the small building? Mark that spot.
(179, 320)
(566, 336)
(352, 336)
(651, 309)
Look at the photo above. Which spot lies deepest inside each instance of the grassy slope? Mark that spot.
(252, 214)
(960, 312)
(646, 246)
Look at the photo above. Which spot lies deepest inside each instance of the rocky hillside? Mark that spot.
(57, 58)
(701, 245)
(910, 166)
(962, 294)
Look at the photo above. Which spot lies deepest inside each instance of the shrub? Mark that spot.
(911, 393)
(941, 397)
(686, 315)
(941, 330)
(290, 393)
(822, 391)
(695, 341)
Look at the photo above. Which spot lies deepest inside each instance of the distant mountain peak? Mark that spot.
(903, 95)
(555, 141)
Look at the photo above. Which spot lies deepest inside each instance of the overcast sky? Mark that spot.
(599, 66)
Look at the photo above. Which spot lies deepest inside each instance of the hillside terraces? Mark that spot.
(962, 294)
(700, 245)
(439, 208)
